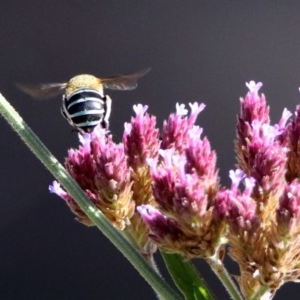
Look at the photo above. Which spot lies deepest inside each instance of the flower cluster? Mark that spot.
(116, 177)
(162, 190)
(263, 220)
(99, 166)
(185, 182)
(260, 152)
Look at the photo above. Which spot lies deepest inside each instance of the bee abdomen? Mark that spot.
(84, 109)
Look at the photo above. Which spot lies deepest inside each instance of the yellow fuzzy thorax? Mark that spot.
(83, 81)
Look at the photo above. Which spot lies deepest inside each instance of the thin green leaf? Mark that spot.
(187, 278)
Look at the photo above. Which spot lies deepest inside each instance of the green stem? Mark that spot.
(261, 292)
(219, 269)
(147, 256)
(50, 162)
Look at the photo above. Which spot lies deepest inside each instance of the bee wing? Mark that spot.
(42, 91)
(123, 82)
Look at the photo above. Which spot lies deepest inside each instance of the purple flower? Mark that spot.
(140, 138)
(163, 230)
(237, 208)
(164, 179)
(265, 217)
(55, 188)
(236, 177)
(99, 166)
(253, 106)
(185, 182)
(141, 143)
(175, 130)
(286, 114)
(259, 148)
(292, 140)
(288, 211)
(181, 193)
(201, 159)
(80, 215)
(170, 236)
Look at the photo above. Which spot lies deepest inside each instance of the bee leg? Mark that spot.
(75, 130)
(66, 117)
(107, 109)
(63, 113)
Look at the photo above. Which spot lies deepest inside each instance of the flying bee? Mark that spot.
(84, 103)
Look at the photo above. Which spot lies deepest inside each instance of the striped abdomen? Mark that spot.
(84, 109)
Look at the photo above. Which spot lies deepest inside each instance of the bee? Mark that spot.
(84, 103)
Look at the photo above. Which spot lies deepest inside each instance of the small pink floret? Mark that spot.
(253, 87)
(181, 110)
(140, 109)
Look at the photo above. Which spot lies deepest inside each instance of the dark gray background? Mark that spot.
(199, 51)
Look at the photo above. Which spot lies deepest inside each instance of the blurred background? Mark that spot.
(201, 51)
